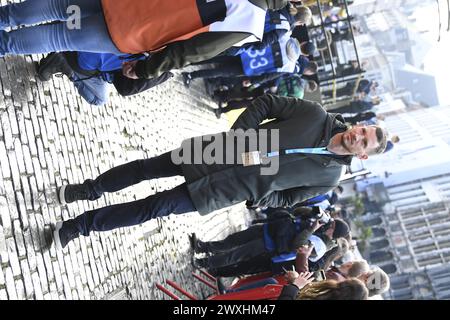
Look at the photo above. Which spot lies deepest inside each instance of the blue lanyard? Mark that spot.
(322, 150)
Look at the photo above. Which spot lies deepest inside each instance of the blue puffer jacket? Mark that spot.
(109, 68)
(104, 61)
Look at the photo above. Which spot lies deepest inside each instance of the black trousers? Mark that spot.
(238, 99)
(231, 68)
(353, 107)
(362, 116)
(240, 253)
(257, 264)
(236, 240)
(161, 204)
(345, 91)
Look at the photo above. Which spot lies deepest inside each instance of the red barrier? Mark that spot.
(268, 292)
(212, 278)
(196, 276)
(170, 294)
(177, 287)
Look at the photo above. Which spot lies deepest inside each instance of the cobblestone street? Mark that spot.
(50, 136)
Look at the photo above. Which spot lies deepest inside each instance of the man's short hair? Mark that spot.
(358, 268)
(382, 141)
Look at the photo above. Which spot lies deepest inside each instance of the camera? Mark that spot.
(318, 214)
(313, 214)
(324, 217)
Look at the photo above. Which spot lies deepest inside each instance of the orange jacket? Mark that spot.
(137, 26)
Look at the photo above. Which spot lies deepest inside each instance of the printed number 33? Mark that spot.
(258, 60)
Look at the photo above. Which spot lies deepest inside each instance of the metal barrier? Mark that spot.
(267, 292)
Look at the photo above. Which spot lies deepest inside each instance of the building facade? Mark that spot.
(409, 191)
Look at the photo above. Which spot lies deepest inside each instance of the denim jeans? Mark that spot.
(94, 90)
(176, 200)
(92, 35)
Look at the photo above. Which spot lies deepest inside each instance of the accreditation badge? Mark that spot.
(251, 158)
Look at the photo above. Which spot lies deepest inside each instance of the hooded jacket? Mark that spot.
(300, 123)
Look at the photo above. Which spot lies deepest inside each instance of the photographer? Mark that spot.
(252, 250)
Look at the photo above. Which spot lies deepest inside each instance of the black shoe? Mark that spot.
(64, 233)
(193, 241)
(200, 263)
(48, 237)
(197, 245)
(218, 112)
(52, 64)
(72, 192)
(186, 79)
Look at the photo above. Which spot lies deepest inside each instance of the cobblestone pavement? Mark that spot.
(50, 136)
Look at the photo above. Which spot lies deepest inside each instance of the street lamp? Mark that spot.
(439, 18)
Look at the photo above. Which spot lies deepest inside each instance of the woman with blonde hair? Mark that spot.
(351, 289)
(302, 288)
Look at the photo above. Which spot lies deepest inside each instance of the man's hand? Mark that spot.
(129, 69)
(291, 275)
(303, 279)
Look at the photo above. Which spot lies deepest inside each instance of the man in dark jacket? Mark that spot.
(212, 185)
(91, 72)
